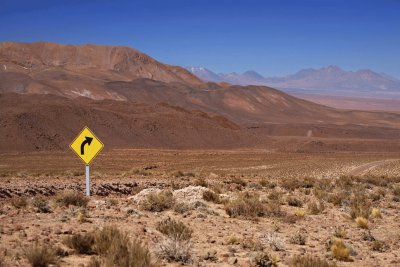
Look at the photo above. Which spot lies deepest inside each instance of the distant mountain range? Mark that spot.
(327, 79)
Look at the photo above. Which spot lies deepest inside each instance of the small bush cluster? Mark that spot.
(158, 202)
(174, 229)
(81, 243)
(19, 202)
(176, 245)
(211, 196)
(264, 259)
(41, 205)
(340, 251)
(246, 206)
(72, 198)
(309, 261)
(40, 255)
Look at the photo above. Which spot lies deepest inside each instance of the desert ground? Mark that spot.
(200, 208)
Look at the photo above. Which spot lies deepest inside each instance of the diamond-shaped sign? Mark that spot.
(86, 145)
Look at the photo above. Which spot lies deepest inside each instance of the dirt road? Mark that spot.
(365, 168)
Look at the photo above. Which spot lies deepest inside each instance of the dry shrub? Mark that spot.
(274, 241)
(72, 198)
(345, 182)
(316, 207)
(340, 251)
(182, 207)
(233, 240)
(360, 205)
(376, 213)
(201, 182)
(362, 222)
(19, 202)
(175, 250)
(41, 205)
(274, 195)
(310, 261)
(81, 243)
(268, 184)
(273, 209)
(396, 190)
(298, 239)
(246, 206)
(176, 245)
(340, 232)
(211, 196)
(337, 198)
(264, 259)
(116, 249)
(238, 181)
(252, 244)
(40, 255)
(174, 229)
(380, 246)
(158, 201)
(295, 202)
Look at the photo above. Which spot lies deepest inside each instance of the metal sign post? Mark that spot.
(88, 180)
(87, 146)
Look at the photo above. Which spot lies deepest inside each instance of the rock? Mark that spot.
(142, 195)
(232, 261)
(190, 194)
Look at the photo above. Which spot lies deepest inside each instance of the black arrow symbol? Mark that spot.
(88, 140)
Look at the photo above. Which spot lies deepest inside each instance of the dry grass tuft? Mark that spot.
(72, 198)
(376, 213)
(362, 222)
(116, 249)
(174, 229)
(360, 205)
(211, 196)
(264, 259)
(158, 202)
(295, 202)
(41, 204)
(176, 245)
(316, 207)
(246, 206)
(40, 255)
(310, 261)
(340, 251)
(19, 202)
(81, 243)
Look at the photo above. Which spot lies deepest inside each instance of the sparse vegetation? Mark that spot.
(211, 196)
(41, 204)
(379, 246)
(40, 255)
(116, 249)
(246, 206)
(340, 251)
(310, 261)
(298, 239)
(158, 201)
(295, 202)
(176, 245)
(19, 202)
(72, 198)
(81, 243)
(264, 259)
(362, 222)
(174, 229)
(316, 207)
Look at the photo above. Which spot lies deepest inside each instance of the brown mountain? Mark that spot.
(81, 70)
(117, 91)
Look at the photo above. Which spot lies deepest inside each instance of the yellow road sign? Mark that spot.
(86, 145)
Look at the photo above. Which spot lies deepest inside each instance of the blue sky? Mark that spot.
(272, 37)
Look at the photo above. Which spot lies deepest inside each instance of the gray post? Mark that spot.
(88, 180)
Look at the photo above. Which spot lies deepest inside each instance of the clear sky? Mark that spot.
(272, 37)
